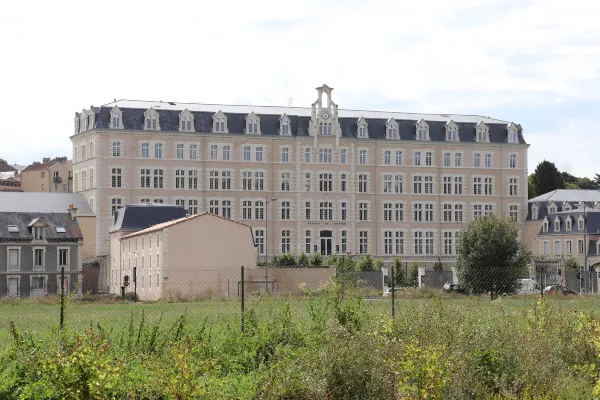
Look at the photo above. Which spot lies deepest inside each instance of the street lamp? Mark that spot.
(267, 201)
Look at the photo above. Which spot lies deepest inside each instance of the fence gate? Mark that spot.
(549, 272)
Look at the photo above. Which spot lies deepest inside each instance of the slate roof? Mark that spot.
(592, 222)
(5, 167)
(23, 219)
(167, 224)
(574, 195)
(44, 202)
(133, 119)
(135, 217)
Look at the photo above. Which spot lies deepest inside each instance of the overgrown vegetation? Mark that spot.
(338, 348)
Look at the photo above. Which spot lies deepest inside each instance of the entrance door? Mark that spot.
(326, 238)
(13, 287)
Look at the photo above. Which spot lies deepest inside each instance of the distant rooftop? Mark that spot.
(299, 111)
(38, 202)
(571, 195)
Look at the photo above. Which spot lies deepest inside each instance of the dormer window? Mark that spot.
(552, 209)
(219, 122)
(534, 211)
(557, 224)
(152, 121)
(513, 137)
(362, 130)
(38, 232)
(451, 131)
(253, 124)
(482, 133)
(422, 130)
(284, 128)
(545, 225)
(567, 206)
(569, 224)
(116, 118)
(581, 223)
(392, 130)
(186, 121)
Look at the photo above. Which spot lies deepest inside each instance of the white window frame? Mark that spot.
(18, 278)
(44, 255)
(58, 284)
(40, 292)
(13, 269)
(68, 265)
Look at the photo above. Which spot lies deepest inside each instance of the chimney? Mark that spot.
(72, 212)
(46, 160)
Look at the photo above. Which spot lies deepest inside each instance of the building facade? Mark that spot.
(34, 247)
(50, 176)
(307, 180)
(196, 256)
(565, 223)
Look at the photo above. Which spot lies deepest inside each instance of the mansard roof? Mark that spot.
(133, 119)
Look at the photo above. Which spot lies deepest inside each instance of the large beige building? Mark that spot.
(50, 176)
(342, 181)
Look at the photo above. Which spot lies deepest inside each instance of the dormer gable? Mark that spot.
(253, 124)
(391, 129)
(545, 224)
(422, 130)
(535, 211)
(597, 205)
(186, 121)
(552, 208)
(581, 223)
(556, 224)
(38, 226)
(567, 206)
(512, 133)
(482, 132)
(285, 126)
(152, 121)
(362, 128)
(220, 122)
(451, 131)
(116, 118)
(569, 223)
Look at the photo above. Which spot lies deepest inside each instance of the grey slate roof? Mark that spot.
(52, 220)
(44, 203)
(571, 195)
(592, 222)
(134, 217)
(133, 119)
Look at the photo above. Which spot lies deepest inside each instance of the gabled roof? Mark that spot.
(38, 166)
(44, 203)
(167, 224)
(35, 221)
(24, 221)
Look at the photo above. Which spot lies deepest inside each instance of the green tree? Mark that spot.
(597, 179)
(587, 184)
(303, 261)
(287, 260)
(568, 178)
(530, 187)
(366, 263)
(547, 178)
(490, 257)
(413, 275)
(378, 266)
(571, 263)
(399, 273)
(570, 185)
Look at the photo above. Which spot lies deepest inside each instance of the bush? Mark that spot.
(413, 275)
(316, 261)
(287, 260)
(303, 261)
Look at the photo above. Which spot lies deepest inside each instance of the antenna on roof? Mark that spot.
(290, 102)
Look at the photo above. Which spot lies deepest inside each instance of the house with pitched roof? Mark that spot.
(51, 175)
(195, 256)
(34, 248)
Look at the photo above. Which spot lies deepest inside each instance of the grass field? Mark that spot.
(334, 346)
(41, 317)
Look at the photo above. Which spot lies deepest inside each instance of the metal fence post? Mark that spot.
(242, 278)
(62, 298)
(541, 279)
(393, 278)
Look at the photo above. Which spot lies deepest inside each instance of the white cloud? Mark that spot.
(459, 56)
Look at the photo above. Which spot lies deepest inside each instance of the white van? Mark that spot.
(529, 286)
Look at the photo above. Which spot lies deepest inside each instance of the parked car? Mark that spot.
(453, 287)
(388, 291)
(528, 286)
(558, 289)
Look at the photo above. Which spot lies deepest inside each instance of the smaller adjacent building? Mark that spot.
(10, 178)
(51, 175)
(565, 223)
(195, 256)
(34, 247)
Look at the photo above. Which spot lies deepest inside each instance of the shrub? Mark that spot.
(303, 261)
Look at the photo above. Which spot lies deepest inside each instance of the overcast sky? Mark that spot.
(536, 63)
